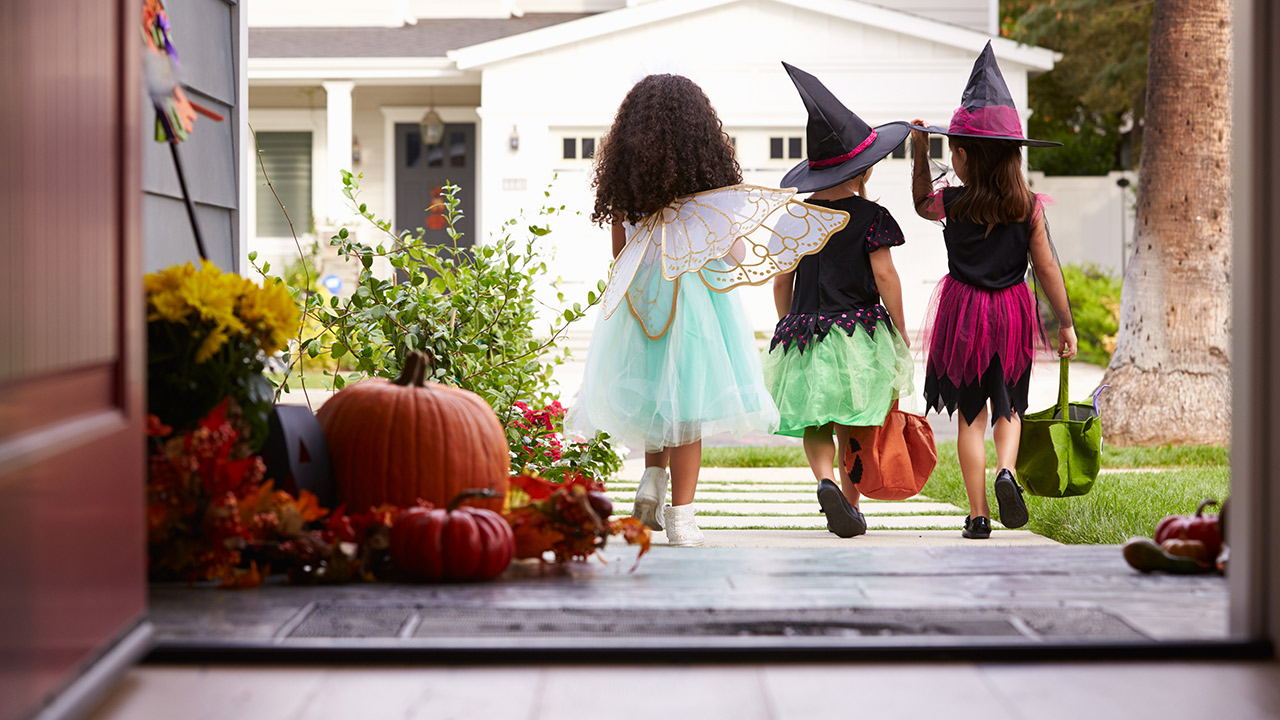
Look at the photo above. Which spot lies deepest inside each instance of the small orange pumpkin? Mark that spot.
(398, 441)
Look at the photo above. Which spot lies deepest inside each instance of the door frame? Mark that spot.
(392, 114)
(1254, 580)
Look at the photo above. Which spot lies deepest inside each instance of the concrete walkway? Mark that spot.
(776, 507)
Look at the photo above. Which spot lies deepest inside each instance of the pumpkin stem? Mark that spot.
(468, 494)
(1204, 504)
(414, 372)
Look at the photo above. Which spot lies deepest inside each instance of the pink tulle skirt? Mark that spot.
(967, 327)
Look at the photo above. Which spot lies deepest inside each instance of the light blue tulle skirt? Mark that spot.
(701, 378)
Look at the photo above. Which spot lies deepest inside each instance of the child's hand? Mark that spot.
(1067, 342)
(919, 137)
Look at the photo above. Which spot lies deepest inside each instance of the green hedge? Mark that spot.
(1095, 306)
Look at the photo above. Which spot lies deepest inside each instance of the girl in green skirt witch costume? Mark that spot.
(838, 357)
(984, 329)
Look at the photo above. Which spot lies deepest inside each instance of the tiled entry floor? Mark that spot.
(855, 597)
(605, 689)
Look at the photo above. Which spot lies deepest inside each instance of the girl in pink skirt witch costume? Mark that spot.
(983, 328)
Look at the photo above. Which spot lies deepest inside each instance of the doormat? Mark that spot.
(673, 627)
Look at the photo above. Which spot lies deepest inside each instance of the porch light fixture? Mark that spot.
(355, 152)
(431, 127)
(515, 139)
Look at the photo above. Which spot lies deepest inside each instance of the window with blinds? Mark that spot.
(287, 157)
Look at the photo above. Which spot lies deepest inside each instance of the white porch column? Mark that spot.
(338, 148)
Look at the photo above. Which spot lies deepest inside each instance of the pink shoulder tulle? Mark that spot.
(1042, 201)
(933, 204)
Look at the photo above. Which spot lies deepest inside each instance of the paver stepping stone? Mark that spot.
(806, 508)
(873, 539)
(776, 507)
(931, 522)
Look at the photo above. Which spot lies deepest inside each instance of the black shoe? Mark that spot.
(843, 519)
(1013, 509)
(978, 528)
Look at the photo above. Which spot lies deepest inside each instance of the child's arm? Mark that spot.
(619, 237)
(1049, 276)
(784, 286)
(890, 287)
(921, 186)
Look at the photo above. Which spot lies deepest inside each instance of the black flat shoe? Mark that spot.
(978, 528)
(1013, 509)
(842, 518)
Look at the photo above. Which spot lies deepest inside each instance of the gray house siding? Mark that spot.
(207, 35)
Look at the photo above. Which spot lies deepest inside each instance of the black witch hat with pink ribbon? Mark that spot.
(841, 146)
(986, 107)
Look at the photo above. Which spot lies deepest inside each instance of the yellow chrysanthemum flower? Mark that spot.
(168, 306)
(271, 313)
(212, 343)
(209, 293)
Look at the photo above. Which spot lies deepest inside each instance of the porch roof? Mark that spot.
(426, 38)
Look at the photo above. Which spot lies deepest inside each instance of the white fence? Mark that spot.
(1093, 218)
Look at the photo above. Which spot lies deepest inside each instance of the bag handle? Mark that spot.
(1063, 373)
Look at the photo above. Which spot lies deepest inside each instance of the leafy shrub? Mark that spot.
(1095, 307)
(471, 310)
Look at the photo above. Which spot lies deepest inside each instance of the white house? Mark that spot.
(526, 88)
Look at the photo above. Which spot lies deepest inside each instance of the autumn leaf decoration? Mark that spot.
(569, 519)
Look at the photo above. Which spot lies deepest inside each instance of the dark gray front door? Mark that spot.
(422, 171)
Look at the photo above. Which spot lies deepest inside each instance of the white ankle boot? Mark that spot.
(682, 529)
(651, 495)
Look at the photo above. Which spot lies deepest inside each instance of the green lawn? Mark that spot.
(1120, 506)
(315, 380)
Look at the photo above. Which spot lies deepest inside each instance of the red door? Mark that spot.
(72, 546)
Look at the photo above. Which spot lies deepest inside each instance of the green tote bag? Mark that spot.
(1061, 449)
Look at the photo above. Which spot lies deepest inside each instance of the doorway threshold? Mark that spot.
(725, 604)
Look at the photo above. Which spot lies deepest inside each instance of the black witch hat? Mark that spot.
(986, 107)
(841, 145)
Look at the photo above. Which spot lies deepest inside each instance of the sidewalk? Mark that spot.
(776, 507)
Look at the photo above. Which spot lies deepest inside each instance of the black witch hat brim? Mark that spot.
(806, 178)
(935, 130)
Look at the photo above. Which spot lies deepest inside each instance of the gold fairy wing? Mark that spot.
(637, 277)
(706, 226)
(652, 297)
(742, 234)
(626, 264)
(774, 245)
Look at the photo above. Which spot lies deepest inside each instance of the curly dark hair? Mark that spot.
(666, 142)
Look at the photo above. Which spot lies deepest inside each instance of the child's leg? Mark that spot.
(972, 448)
(685, 462)
(846, 485)
(1013, 509)
(657, 459)
(819, 450)
(1008, 434)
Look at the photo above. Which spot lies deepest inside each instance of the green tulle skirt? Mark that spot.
(843, 378)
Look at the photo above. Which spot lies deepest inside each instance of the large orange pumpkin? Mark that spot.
(396, 441)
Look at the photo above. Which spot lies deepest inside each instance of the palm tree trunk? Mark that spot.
(1171, 371)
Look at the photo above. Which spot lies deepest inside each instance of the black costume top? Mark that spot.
(837, 286)
(992, 261)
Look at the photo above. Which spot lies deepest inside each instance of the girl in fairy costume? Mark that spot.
(672, 358)
(838, 358)
(983, 329)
